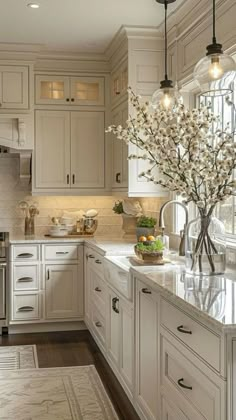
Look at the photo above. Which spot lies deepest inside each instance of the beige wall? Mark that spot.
(12, 190)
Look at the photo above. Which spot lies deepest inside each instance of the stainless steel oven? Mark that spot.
(4, 246)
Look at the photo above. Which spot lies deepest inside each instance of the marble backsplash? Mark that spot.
(13, 189)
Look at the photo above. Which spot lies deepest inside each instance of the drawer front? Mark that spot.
(204, 342)
(26, 277)
(119, 279)
(96, 260)
(61, 252)
(98, 292)
(185, 381)
(98, 325)
(26, 253)
(25, 307)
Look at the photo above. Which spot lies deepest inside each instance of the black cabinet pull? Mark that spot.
(115, 300)
(118, 177)
(98, 262)
(25, 255)
(117, 93)
(147, 291)
(180, 383)
(91, 256)
(97, 289)
(25, 309)
(183, 331)
(62, 252)
(73, 179)
(48, 277)
(72, 99)
(67, 99)
(25, 280)
(68, 179)
(98, 324)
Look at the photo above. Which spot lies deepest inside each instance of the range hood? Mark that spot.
(17, 137)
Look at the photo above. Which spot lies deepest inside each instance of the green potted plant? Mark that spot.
(145, 226)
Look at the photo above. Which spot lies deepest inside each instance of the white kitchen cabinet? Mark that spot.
(14, 87)
(87, 149)
(69, 151)
(63, 291)
(147, 342)
(52, 150)
(119, 150)
(120, 338)
(140, 67)
(171, 412)
(67, 90)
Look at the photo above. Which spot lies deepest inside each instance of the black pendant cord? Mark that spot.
(166, 75)
(214, 22)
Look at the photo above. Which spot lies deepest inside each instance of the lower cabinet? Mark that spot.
(147, 343)
(63, 291)
(120, 338)
(171, 412)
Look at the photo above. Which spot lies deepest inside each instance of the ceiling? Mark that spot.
(75, 25)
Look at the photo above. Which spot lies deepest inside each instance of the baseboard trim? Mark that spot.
(47, 327)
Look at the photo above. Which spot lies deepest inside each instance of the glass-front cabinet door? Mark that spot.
(59, 90)
(87, 90)
(52, 90)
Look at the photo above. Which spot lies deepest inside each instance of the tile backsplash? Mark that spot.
(13, 189)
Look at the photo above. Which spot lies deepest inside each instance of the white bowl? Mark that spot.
(61, 232)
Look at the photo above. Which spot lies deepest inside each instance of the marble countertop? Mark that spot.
(210, 298)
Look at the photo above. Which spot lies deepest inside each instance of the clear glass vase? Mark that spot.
(205, 246)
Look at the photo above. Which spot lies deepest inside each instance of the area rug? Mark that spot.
(74, 393)
(18, 357)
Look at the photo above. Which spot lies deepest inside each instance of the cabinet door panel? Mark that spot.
(87, 90)
(87, 149)
(52, 90)
(14, 86)
(147, 353)
(127, 344)
(52, 149)
(63, 291)
(113, 329)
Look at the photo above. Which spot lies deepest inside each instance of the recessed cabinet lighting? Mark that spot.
(33, 5)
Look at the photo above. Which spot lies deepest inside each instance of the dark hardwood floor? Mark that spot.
(75, 348)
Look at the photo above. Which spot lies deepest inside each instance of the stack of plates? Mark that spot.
(58, 230)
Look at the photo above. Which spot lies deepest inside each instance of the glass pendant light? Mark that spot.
(215, 72)
(168, 95)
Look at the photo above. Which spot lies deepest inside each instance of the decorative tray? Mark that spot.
(143, 262)
(72, 235)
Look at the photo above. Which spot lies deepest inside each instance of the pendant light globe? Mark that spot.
(215, 73)
(167, 96)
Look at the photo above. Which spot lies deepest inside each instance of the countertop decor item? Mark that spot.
(150, 251)
(130, 209)
(145, 226)
(188, 153)
(30, 210)
(215, 72)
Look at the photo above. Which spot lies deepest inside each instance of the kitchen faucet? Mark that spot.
(182, 232)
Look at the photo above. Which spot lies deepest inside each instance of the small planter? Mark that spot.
(144, 231)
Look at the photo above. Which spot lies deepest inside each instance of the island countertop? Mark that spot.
(210, 298)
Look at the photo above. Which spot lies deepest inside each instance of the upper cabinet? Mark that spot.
(14, 87)
(119, 83)
(66, 90)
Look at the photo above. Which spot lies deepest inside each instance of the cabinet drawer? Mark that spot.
(98, 292)
(118, 278)
(25, 307)
(61, 252)
(96, 260)
(204, 342)
(170, 412)
(26, 252)
(181, 379)
(26, 277)
(98, 325)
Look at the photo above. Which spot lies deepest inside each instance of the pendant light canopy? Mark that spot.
(215, 72)
(167, 96)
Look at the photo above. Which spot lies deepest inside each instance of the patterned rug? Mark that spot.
(74, 393)
(18, 357)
